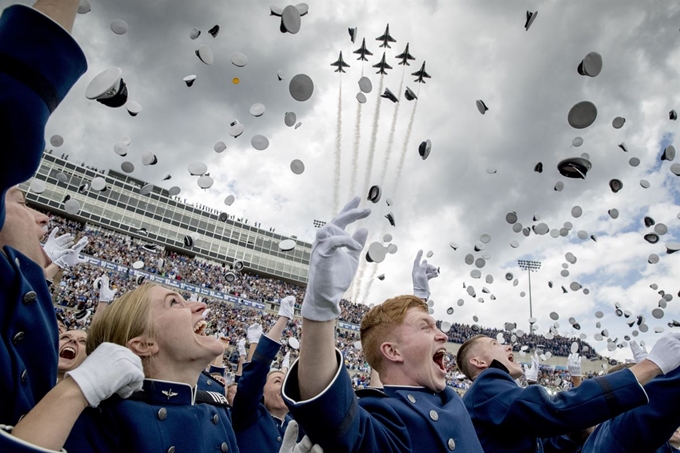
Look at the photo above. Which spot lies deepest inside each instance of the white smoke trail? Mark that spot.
(390, 140)
(371, 279)
(404, 150)
(374, 137)
(355, 154)
(338, 154)
(358, 279)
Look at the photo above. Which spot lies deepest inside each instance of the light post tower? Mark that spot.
(531, 266)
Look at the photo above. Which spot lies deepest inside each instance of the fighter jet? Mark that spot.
(421, 74)
(340, 64)
(382, 65)
(363, 51)
(405, 57)
(389, 95)
(386, 38)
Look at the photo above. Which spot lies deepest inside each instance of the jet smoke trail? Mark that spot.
(371, 278)
(338, 154)
(374, 137)
(390, 140)
(402, 158)
(355, 154)
(358, 279)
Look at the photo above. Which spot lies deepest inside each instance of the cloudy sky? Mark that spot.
(480, 167)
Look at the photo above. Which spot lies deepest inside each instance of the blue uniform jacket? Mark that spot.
(207, 383)
(39, 63)
(400, 419)
(256, 429)
(163, 417)
(510, 418)
(646, 428)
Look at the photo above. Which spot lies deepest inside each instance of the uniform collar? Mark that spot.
(156, 391)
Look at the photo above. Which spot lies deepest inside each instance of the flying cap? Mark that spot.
(189, 80)
(223, 217)
(229, 200)
(290, 20)
(374, 194)
(37, 186)
(174, 190)
(353, 33)
(376, 253)
(236, 128)
(149, 158)
(72, 206)
(84, 7)
(287, 245)
(297, 166)
(214, 31)
(197, 168)
(257, 109)
(582, 115)
(118, 26)
(575, 167)
(289, 119)
(481, 106)
(108, 88)
(618, 122)
(390, 218)
(301, 87)
(591, 65)
(365, 85)
(56, 141)
(205, 182)
(531, 17)
(194, 33)
(279, 75)
(633, 161)
(425, 148)
(576, 142)
(668, 153)
(127, 167)
(615, 185)
(238, 59)
(219, 147)
(409, 94)
(538, 168)
(146, 189)
(361, 97)
(98, 184)
(259, 142)
(205, 54)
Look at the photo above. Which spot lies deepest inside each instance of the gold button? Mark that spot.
(411, 398)
(434, 415)
(452, 444)
(162, 415)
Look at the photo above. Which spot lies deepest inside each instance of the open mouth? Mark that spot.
(511, 358)
(438, 358)
(199, 327)
(67, 353)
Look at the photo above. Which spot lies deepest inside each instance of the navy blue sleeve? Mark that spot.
(496, 401)
(251, 385)
(335, 420)
(39, 63)
(645, 428)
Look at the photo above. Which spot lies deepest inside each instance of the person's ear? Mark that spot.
(390, 351)
(478, 363)
(143, 346)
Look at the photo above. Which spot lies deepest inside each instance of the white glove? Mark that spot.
(285, 363)
(531, 373)
(289, 446)
(242, 347)
(106, 294)
(71, 257)
(334, 261)
(421, 274)
(639, 352)
(666, 352)
(110, 369)
(56, 244)
(287, 308)
(574, 364)
(254, 333)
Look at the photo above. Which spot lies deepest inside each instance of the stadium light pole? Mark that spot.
(530, 266)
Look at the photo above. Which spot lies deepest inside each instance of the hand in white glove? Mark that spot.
(242, 347)
(287, 308)
(531, 373)
(639, 352)
(72, 256)
(334, 261)
(254, 333)
(56, 244)
(666, 352)
(289, 446)
(285, 363)
(421, 274)
(106, 294)
(110, 369)
(574, 364)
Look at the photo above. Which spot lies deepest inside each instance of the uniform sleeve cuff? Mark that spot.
(10, 443)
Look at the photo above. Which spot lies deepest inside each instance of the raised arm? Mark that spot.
(62, 12)
(334, 261)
